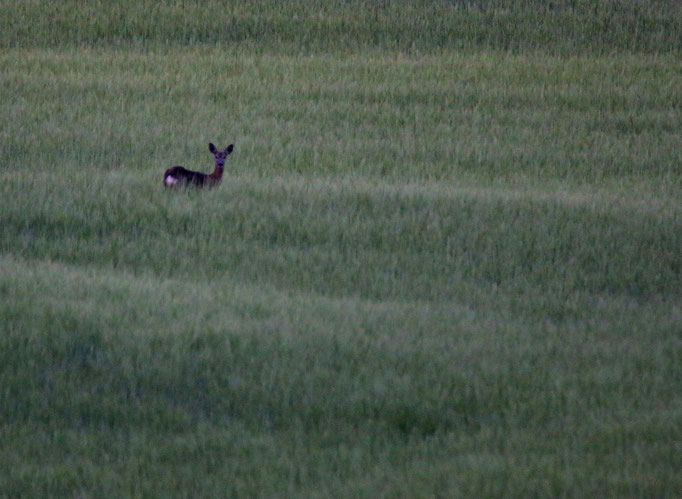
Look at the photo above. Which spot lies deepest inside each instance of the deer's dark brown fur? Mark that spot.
(180, 176)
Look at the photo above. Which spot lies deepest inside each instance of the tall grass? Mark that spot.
(137, 384)
(447, 117)
(428, 272)
(559, 27)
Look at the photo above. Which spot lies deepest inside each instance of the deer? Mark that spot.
(179, 176)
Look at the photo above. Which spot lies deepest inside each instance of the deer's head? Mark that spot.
(220, 155)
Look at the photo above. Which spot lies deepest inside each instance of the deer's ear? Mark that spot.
(212, 148)
(229, 148)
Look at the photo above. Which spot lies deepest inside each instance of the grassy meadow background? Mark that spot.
(445, 259)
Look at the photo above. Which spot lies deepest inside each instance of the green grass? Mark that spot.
(443, 261)
(562, 26)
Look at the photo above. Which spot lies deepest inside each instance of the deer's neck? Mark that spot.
(217, 173)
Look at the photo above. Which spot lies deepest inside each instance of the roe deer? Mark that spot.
(180, 176)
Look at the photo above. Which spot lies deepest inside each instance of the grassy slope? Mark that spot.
(444, 273)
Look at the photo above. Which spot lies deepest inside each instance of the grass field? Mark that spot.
(445, 261)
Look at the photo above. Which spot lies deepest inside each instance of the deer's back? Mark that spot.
(181, 175)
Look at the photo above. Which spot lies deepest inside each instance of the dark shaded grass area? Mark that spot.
(262, 392)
